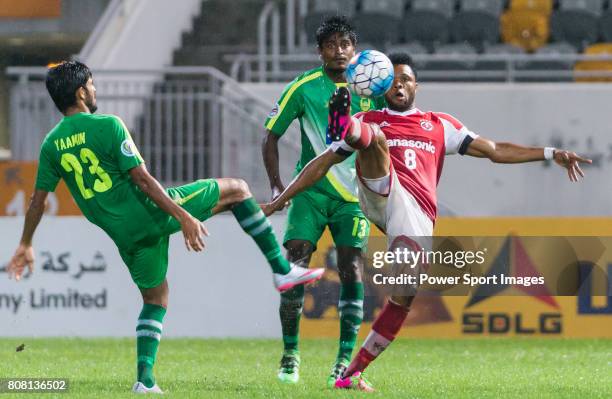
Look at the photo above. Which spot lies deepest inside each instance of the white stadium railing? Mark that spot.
(195, 123)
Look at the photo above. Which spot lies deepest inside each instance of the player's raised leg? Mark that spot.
(369, 141)
(235, 195)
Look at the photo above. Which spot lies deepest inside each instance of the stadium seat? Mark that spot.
(576, 22)
(369, 46)
(541, 6)
(526, 29)
(459, 49)
(335, 7)
(492, 7)
(600, 48)
(560, 48)
(376, 14)
(475, 27)
(428, 22)
(498, 66)
(594, 7)
(605, 25)
(325, 8)
(389, 7)
(577, 27)
(412, 48)
(444, 7)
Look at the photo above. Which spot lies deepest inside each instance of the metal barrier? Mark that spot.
(188, 122)
(508, 67)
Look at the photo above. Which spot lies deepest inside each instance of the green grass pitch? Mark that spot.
(411, 368)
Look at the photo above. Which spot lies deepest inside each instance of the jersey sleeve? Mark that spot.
(288, 107)
(457, 137)
(47, 176)
(124, 150)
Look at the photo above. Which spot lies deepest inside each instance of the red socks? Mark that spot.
(385, 328)
(360, 134)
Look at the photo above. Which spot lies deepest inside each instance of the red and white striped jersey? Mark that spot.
(417, 144)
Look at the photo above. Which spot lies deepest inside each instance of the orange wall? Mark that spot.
(30, 8)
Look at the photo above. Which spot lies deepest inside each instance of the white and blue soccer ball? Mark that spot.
(370, 74)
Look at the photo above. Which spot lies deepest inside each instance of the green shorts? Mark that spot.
(310, 211)
(148, 262)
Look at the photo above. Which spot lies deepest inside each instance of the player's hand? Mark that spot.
(193, 232)
(24, 256)
(571, 161)
(276, 192)
(270, 208)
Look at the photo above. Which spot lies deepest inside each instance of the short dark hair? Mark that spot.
(332, 25)
(63, 80)
(403, 59)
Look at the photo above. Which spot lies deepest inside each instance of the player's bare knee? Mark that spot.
(155, 298)
(233, 191)
(379, 139)
(242, 189)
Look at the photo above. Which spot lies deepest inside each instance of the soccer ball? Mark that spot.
(370, 74)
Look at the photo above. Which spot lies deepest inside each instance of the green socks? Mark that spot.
(291, 305)
(148, 335)
(350, 310)
(256, 224)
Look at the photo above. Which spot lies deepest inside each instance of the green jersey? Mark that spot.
(306, 98)
(93, 154)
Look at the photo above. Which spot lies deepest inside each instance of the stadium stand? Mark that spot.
(527, 29)
(377, 13)
(215, 33)
(576, 22)
(490, 7)
(428, 22)
(596, 49)
(496, 65)
(549, 64)
(493, 28)
(540, 6)
(460, 64)
(323, 8)
(412, 48)
(605, 25)
(477, 22)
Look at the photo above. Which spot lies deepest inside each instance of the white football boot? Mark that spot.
(139, 387)
(296, 276)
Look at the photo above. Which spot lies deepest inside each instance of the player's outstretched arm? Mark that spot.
(192, 228)
(514, 153)
(312, 172)
(24, 255)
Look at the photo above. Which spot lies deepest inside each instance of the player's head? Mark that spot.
(70, 83)
(403, 91)
(336, 40)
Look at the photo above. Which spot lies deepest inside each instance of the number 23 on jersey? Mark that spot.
(71, 163)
